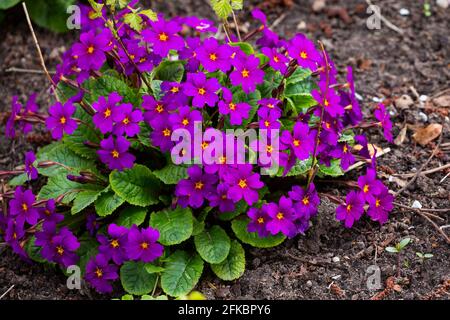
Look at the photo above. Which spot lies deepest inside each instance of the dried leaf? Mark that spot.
(425, 135)
(401, 136)
(443, 101)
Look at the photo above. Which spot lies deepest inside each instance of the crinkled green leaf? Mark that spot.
(135, 279)
(181, 273)
(222, 8)
(6, 4)
(132, 215)
(85, 198)
(233, 266)
(171, 173)
(134, 20)
(138, 186)
(334, 170)
(213, 244)
(106, 84)
(169, 71)
(50, 14)
(239, 227)
(174, 226)
(107, 203)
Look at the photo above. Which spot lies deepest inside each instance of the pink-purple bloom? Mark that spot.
(22, 206)
(214, 56)
(100, 273)
(90, 51)
(258, 221)
(114, 153)
(127, 120)
(114, 246)
(243, 183)
(300, 141)
(282, 217)
(382, 115)
(60, 119)
(380, 206)
(236, 110)
(106, 111)
(30, 170)
(277, 60)
(203, 91)
(247, 73)
(303, 50)
(352, 209)
(163, 35)
(142, 244)
(196, 188)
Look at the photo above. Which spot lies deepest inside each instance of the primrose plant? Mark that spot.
(174, 143)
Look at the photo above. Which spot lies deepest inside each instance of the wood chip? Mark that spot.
(425, 135)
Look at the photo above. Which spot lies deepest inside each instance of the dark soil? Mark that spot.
(329, 262)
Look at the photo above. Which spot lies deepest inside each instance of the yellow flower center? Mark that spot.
(126, 121)
(222, 159)
(349, 207)
(276, 59)
(245, 73)
(269, 149)
(303, 55)
(114, 243)
(144, 245)
(260, 220)
(296, 142)
(142, 60)
(24, 207)
(242, 183)
(233, 55)
(345, 148)
(166, 132)
(366, 188)
(267, 123)
(99, 273)
(185, 122)
(107, 113)
(232, 106)
(377, 203)
(163, 36)
(90, 50)
(132, 56)
(326, 102)
(224, 197)
(305, 200)
(280, 215)
(199, 185)
(159, 108)
(201, 91)
(270, 106)
(63, 120)
(15, 235)
(205, 145)
(174, 89)
(60, 250)
(115, 154)
(213, 57)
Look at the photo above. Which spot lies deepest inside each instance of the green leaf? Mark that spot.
(134, 20)
(348, 137)
(150, 14)
(233, 266)
(127, 297)
(85, 198)
(6, 4)
(171, 173)
(59, 185)
(222, 8)
(334, 170)
(391, 249)
(181, 273)
(237, 4)
(245, 47)
(174, 226)
(239, 227)
(138, 186)
(299, 75)
(198, 226)
(84, 132)
(18, 180)
(147, 297)
(301, 88)
(300, 103)
(106, 84)
(135, 279)
(71, 161)
(151, 268)
(107, 203)
(144, 134)
(169, 71)
(300, 168)
(132, 215)
(428, 255)
(272, 80)
(213, 244)
(50, 14)
(34, 251)
(404, 242)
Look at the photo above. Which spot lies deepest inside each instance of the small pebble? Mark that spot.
(423, 117)
(336, 259)
(404, 12)
(309, 283)
(423, 98)
(443, 3)
(336, 277)
(416, 205)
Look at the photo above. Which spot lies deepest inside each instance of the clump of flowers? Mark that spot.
(123, 184)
